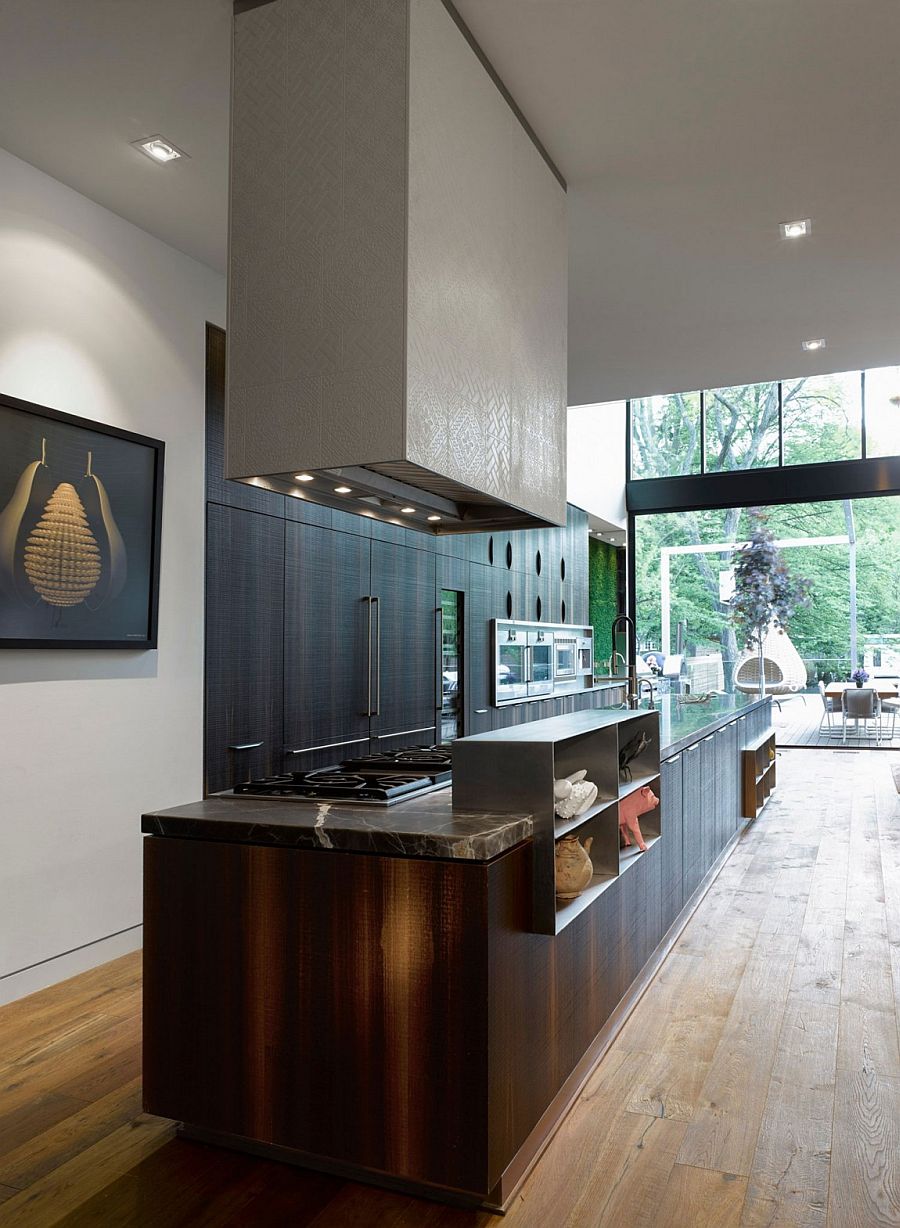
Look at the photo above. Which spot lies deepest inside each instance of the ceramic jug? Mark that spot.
(574, 869)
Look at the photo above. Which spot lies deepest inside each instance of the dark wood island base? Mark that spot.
(389, 1018)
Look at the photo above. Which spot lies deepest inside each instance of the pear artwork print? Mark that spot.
(80, 506)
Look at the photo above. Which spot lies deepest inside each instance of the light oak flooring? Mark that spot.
(756, 1083)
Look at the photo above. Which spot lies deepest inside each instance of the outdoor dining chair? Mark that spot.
(830, 707)
(862, 704)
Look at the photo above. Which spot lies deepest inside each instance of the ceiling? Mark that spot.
(687, 131)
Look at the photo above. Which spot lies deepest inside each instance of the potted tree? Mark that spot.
(766, 595)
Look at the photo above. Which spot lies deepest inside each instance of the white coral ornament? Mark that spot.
(574, 795)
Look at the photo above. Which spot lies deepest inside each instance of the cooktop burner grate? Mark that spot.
(426, 759)
(336, 784)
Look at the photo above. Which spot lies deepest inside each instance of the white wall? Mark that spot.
(596, 460)
(99, 319)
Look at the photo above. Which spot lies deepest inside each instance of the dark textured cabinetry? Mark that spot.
(672, 843)
(327, 616)
(476, 617)
(406, 698)
(360, 630)
(691, 821)
(244, 603)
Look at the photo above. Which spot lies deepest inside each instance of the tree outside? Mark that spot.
(821, 423)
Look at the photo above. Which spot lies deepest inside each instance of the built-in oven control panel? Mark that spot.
(540, 660)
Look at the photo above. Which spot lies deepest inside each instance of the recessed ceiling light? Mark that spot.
(795, 230)
(407, 511)
(159, 149)
(817, 343)
(342, 490)
(303, 477)
(434, 517)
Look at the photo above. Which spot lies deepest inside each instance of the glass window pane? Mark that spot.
(883, 411)
(683, 590)
(742, 427)
(822, 418)
(665, 436)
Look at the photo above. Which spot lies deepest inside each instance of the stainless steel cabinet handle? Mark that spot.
(480, 711)
(402, 733)
(439, 654)
(376, 601)
(245, 746)
(368, 601)
(307, 750)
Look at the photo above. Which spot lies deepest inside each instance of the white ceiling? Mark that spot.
(81, 79)
(687, 131)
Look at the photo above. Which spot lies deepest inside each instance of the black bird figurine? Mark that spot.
(631, 750)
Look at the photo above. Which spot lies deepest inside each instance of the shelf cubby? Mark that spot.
(757, 773)
(513, 770)
(564, 827)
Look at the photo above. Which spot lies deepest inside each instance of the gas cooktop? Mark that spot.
(425, 759)
(375, 780)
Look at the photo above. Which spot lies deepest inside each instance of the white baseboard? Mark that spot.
(59, 968)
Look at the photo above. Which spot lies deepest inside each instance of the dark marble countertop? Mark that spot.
(680, 725)
(422, 827)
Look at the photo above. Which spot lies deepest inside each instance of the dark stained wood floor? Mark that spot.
(756, 1083)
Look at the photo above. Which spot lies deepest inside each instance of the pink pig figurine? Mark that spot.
(638, 802)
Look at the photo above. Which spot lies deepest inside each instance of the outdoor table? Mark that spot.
(886, 688)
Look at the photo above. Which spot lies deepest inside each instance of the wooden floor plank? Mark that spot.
(865, 1176)
(40, 1155)
(723, 1130)
(614, 1180)
(29, 1119)
(789, 1177)
(208, 1186)
(63, 1191)
(701, 1198)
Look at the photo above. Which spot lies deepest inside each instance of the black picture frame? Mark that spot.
(148, 499)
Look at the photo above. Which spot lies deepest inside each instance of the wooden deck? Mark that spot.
(757, 1082)
(797, 724)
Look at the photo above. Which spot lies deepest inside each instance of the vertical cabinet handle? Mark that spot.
(377, 604)
(439, 655)
(368, 601)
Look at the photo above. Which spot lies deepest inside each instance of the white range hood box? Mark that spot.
(397, 271)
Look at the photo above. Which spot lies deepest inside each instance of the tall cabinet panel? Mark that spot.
(326, 662)
(671, 843)
(691, 820)
(709, 815)
(244, 610)
(477, 622)
(406, 697)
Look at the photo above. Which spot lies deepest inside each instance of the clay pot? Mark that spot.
(574, 868)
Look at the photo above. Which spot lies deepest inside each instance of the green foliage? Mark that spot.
(765, 592)
(822, 629)
(602, 598)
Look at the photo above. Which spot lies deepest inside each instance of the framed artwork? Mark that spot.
(80, 521)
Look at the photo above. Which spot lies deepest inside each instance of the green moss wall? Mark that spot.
(601, 594)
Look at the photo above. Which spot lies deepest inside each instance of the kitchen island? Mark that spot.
(390, 1013)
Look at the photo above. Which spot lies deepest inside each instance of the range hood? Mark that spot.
(397, 272)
